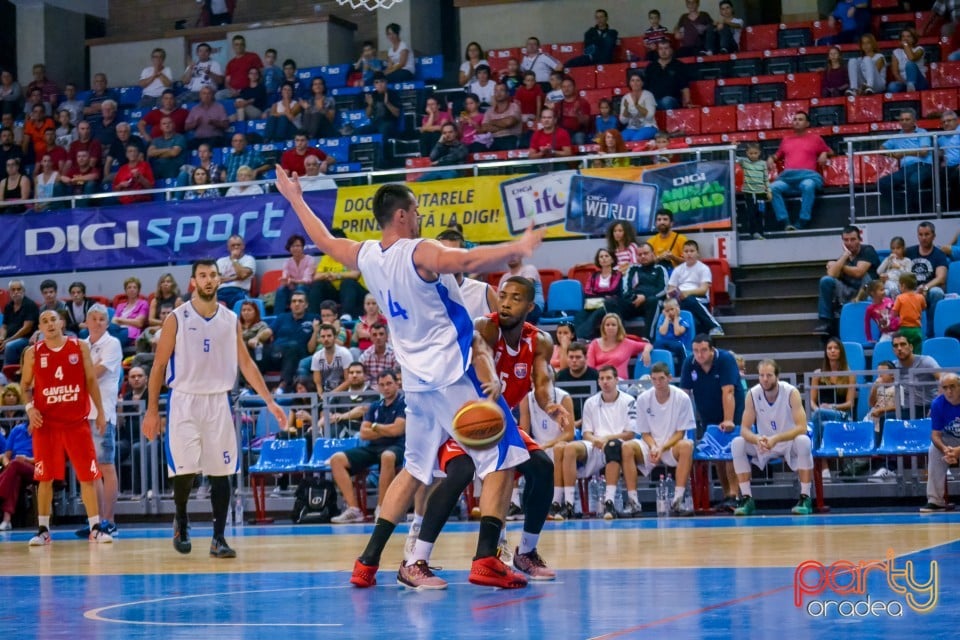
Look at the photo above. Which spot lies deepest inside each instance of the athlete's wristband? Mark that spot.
(28, 406)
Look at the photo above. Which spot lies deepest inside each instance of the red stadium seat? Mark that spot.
(497, 58)
(837, 172)
(593, 98)
(630, 48)
(4, 298)
(685, 121)
(584, 77)
(759, 37)
(493, 279)
(582, 272)
(865, 108)
(784, 110)
(703, 140)
(872, 168)
(936, 101)
(565, 51)
(822, 29)
(803, 85)
(548, 277)
(944, 75)
(612, 75)
(739, 136)
(701, 92)
(719, 288)
(718, 120)
(754, 117)
(270, 281)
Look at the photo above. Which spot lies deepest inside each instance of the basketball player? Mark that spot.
(522, 355)
(551, 435)
(202, 345)
(59, 372)
(781, 433)
(434, 341)
(664, 414)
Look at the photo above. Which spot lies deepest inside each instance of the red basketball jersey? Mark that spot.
(515, 369)
(60, 387)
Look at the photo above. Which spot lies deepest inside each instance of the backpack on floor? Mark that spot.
(316, 500)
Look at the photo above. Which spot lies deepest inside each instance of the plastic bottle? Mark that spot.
(238, 510)
(596, 492)
(671, 488)
(662, 504)
(258, 352)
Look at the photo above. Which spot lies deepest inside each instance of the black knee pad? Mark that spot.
(613, 451)
(539, 466)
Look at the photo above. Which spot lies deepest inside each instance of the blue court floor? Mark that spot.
(672, 584)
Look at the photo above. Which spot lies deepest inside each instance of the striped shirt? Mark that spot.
(754, 175)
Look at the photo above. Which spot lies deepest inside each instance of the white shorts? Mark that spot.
(201, 436)
(786, 450)
(645, 467)
(430, 424)
(593, 463)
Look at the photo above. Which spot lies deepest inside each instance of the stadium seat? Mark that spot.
(720, 285)
(564, 299)
(548, 277)
(828, 112)
(794, 37)
(702, 92)
(768, 92)
(953, 278)
(759, 37)
(270, 281)
(731, 94)
(754, 117)
(851, 323)
(657, 355)
(256, 301)
(784, 110)
(945, 350)
(776, 65)
(905, 437)
(856, 360)
(803, 86)
(846, 439)
(714, 444)
(946, 314)
(936, 101)
(281, 456)
(882, 351)
(746, 66)
(685, 121)
(323, 450)
(583, 77)
(582, 273)
(864, 108)
(718, 120)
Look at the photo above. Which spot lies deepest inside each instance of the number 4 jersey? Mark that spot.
(430, 327)
(60, 387)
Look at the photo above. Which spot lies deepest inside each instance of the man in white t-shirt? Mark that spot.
(155, 79)
(608, 418)
(200, 73)
(690, 285)
(236, 273)
(664, 415)
(540, 63)
(330, 362)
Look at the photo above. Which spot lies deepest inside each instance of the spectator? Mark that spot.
(86, 142)
(78, 307)
(292, 159)
(312, 179)
(577, 371)
(34, 128)
(756, 190)
(550, 140)
(725, 35)
(540, 63)
(149, 125)
(48, 89)
(215, 172)
(166, 295)
(944, 449)
(237, 72)
(599, 42)
(802, 154)
(846, 275)
(200, 73)
(20, 318)
(930, 265)
(16, 462)
(449, 150)
(290, 76)
(200, 177)
(296, 273)
(329, 363)
(34, 99)
(431, 125)
(503, 120)
(916, 161)
(333, 281)
(482, 86)
(471, 119)
(602, 289)
(383, 428)
(653, 35)
(668, 334)
(667, 244)
(611, 142)
(880, 313)
(237, 271)
(216, 12)
(245, 176)
(690, 284)
(128, 434)
(853, 18)
(135, 175)
(251, 101)
(45, 178)
(208, 121)
(573, 112)
(11, 95)
(615, 348)
(48, 291)
(80, 178)
(606, 119)
(105, 127)
(566, 335)
(253, 330)
(59, 156)
(908, 66)
(329, 314)
(694, 30)
(950, 149)
(400, 61)
(668, 79)
(118, 149)
(836, 79)
(66, 132)
(946, 13)
(99, 93)
(243, 155)
(643, 287)
(368, 64)
(363, 329)
(70, 104)
(516, 267)
(319, 112)
(883, 399)
(909, 307)
(472, 56)
(131, 312)
(284, 119)
(293, 339)
(8, 146)
(15, 187)
(833, 394)
(868, 73)
(14, 413)
(638, 109)
(155, 80)
(168, 152)
(383, 108)
(529, 96)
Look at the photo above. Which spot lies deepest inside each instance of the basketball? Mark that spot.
(478, 424)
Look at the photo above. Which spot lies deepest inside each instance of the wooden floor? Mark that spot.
(700, 577)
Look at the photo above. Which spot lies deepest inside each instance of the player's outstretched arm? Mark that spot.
(252, 375)
(168, 338)
(485, 368)
(436, 258)
(342, 250)
(749, 417)
(26, 382)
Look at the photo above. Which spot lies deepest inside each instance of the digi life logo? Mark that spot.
(841, 589)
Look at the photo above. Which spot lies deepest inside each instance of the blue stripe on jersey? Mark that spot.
(172, 367)
(168, 454)
(461, 321)
(511, 434)
(236, 467)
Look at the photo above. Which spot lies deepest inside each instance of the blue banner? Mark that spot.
(698, 193)
(153, 233)
(596, 203)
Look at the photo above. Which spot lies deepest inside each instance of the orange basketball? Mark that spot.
(479, 424)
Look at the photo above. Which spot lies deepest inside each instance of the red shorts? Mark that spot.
(452, 449)
(51, 441)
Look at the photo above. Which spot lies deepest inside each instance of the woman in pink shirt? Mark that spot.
(614, 347)
(132, 312)
(296, 273)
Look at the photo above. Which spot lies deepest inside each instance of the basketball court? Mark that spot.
(702, 577)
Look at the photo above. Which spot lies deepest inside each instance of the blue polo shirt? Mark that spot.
(945, 417)
(19, 442)
(382, 413)
(288, 330)
(951, 149)
(906, 144)
(708, 386)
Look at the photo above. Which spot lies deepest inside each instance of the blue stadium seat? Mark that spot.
(882, 351)
(846, 439)
(657, 355)
(905, 437)
(335, 75)
(851, 322)
(564, 299)
(947, 314)
(953, 278)
(856, 360)
(338, 148)
(129, 96)
(429, 67)
(256, 301)
(863, 400)
(946, 351)
(715, 444)
(324, 448)
(281, 456)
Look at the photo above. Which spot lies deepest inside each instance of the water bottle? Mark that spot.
(662, 505)
(596, 492)
(671, 488)
(258, 352)
(630, 56)
(238, 510)
(762, 205)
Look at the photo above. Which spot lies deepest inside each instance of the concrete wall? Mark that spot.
(53, 36)
(123, 61)
(419, 26)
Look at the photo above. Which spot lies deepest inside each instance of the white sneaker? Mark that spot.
(276, 492)
(826, 475)
(100, 536)
(410, 542)
(882, 475)
(41, 539)
(505, 551)
(5, 526)
(352, 514)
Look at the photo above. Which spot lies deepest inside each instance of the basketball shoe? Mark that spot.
(418, 576)
(533, 565)
(181, 537)
(491, 572)
(220, 549)
(41, 539)
(364, 576)
(97, 534)
(746, 507)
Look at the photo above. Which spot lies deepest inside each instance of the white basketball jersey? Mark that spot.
(777, 417)
(204, 359)
(475, 297)
(543, 428)
(662, 420)
(431, 329)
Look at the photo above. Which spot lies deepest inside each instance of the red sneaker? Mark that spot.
(491, 572)
(364, 576)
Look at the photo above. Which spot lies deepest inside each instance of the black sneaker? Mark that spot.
(220, 549)
(514, 512)
(823, 328)
(609, 511)
(932, 507)
(678, 510)
(566, 512)
(181, 537)
(555, 510)
(631, 509)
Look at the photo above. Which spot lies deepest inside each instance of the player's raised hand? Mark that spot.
(151, 424)
(530, 240)
(288, 186)
(492, 389)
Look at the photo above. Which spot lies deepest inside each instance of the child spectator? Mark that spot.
(271, 74)
(622, 243)
(894, 265)
(555, 94)
(882, 398)
(654, 34)
(910, 306)
(879, 312)
(756, 189)
(672, 326)
(605, 119)
(529, 96)
(836, 77)
(368, 64)
(661, 142)
(512, 76)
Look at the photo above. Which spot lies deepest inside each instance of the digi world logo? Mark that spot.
(866, 589)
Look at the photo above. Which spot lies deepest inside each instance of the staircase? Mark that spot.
(773, 316)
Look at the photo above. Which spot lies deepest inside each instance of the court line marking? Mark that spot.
(95, 614)
(508, 603)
